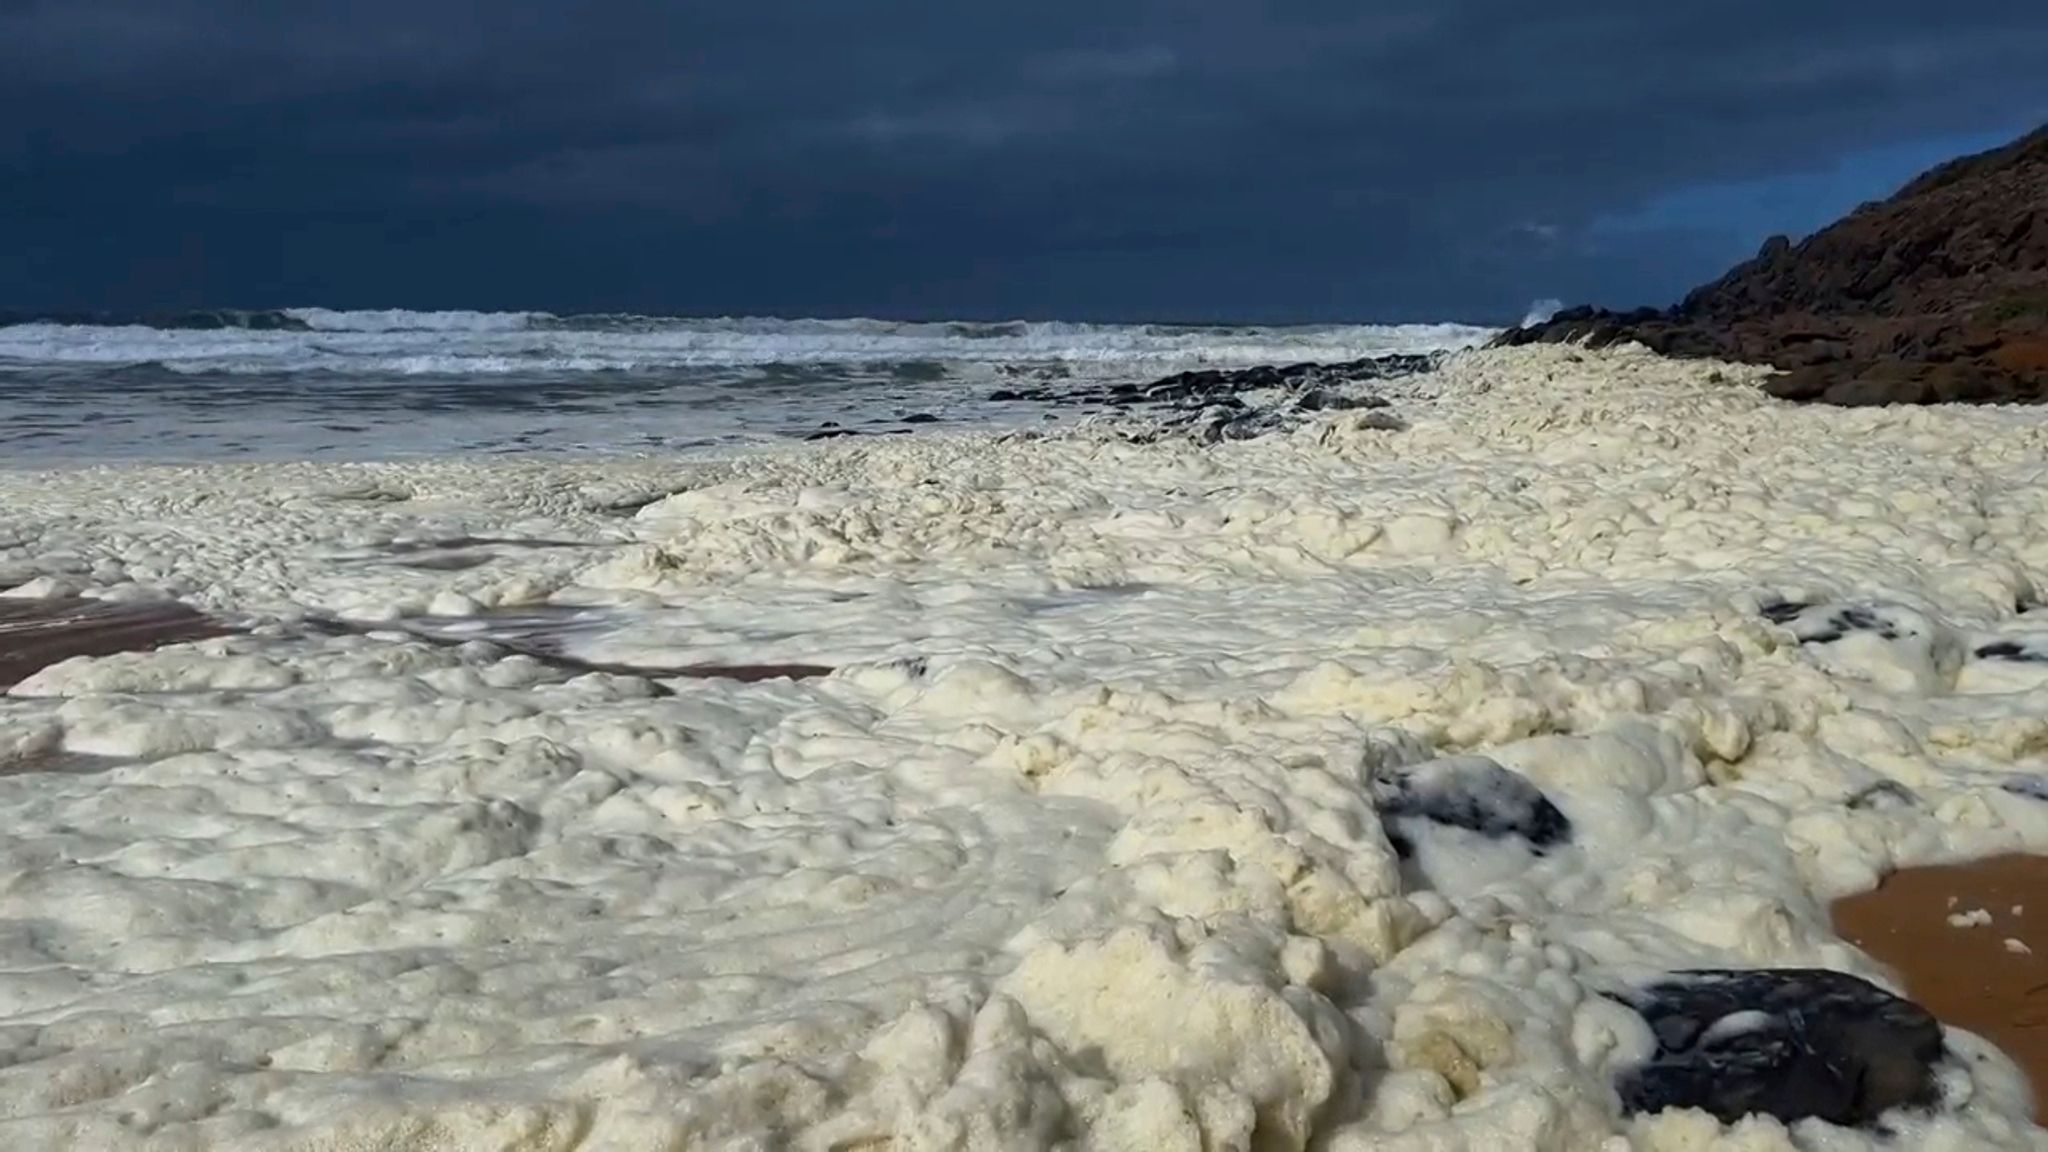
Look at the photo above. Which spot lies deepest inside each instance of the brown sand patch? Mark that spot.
(1945, 931)
(35, 634)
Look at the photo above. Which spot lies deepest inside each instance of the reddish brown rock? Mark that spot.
(1936, 295)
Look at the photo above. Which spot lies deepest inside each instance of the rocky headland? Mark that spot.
(1937, 294)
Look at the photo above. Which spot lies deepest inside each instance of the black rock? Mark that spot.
(1317, 400)
(2012, 650)
(1468, 792)
(1795, 1044)
(1236, 430)
(1783, 611)
(1862, 620)
(1812, 626)
(831, 432)
(2032, 785)
(920, 418)
(1883, 795)
(1210, 405)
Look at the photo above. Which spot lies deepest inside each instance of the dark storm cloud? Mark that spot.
(1107, 157)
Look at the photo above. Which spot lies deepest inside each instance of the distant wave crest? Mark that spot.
(400, 320)
(398, 342)
(188, 320)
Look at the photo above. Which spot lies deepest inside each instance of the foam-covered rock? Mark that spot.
(1790, 1043)
(1471, 794)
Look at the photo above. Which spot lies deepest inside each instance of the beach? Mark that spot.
(1959, 936)
(1021, 786)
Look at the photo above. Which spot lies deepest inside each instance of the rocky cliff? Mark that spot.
(1939, 293)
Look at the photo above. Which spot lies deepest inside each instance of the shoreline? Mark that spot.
(1141, 797)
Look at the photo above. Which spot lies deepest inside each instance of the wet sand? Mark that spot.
(1971, 943)
(538, 632)
(35, 634)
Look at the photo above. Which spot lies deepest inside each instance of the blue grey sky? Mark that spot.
(1113, 159)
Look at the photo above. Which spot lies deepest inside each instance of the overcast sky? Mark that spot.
(1099, 159)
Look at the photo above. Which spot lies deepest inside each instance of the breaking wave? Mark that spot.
(498, 343)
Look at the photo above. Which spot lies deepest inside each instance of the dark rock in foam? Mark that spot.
(1843, 621)
(1795, 1044)
(1783, 611)
(1818, 624)
(1468, 792)
(2016, 651)
(1885, 795)
(2032, 785)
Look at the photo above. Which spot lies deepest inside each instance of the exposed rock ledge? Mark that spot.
(1937, 294)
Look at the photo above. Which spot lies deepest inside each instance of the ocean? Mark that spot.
(320, 384)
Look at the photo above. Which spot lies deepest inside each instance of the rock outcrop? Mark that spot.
(1211, 405)
(1791, 1043)
(1937, 294)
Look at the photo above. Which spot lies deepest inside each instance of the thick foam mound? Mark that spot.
(1329, 788)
